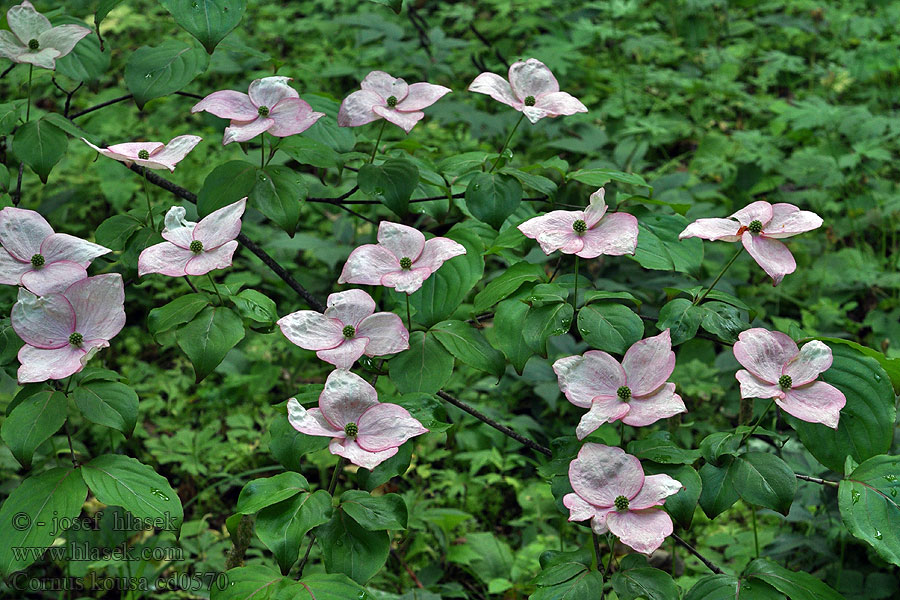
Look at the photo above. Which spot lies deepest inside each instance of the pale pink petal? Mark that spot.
(62, 246)
(654, 492)
(350, 307)
(349, 449)
(816, 402)
(45, 59)
(422, 95)
(438, 250)
(773, 256)
(404, 120)
(99, 306)
(310, 422)
(385, 334)
(165, 258)
(788, 220)
(62, 38)
(616, 234)
(173, 152)
(39, 364)
(648, 363)
(385, 85)
(386, 426)
(401, 240)
(53, 277)
(583, 378)
(344, 355)
(604, 409)
(497, 88)
(311, 330)
(356, 109)
(602, 473)
(554, 231)
(596, 208)
(228, 104)
(26, 22)
(754, 387)
(579, 509)
(814, 358)
(220, 226)
(368, 264)
(244, 131)
(756, 211)
(558, 104)
(22, 232)
(210, 260)
(10, 46)
(764, 353)
(12, 269)
(644, 530)
(293, 116)
(535, 114)
(598, 523)
(724, 230)
(269, 91)
(406, 282)
(661, 404)
(130, 150)
(345, 398)
(178, 230)
(531, 78)
(43, 322)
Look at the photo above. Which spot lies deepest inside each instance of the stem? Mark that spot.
(71, 448)
(709, 564)
(196, 291)
(506, 143)
(575, 296)
(408, 318)
(147, 193)
(818, 480)
(28, 107)
(758, 421)
(262, 150)
(719, 276)
(755, 535)
(331, 487)
(221, 302)
(378, 141)
(555, 269)
(596, 540)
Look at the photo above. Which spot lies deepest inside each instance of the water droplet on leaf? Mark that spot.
(878, 535)
(855, 496)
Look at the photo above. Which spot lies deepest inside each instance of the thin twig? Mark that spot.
(489, 44)
(101, 105)
(818, 480)
(18, 195)
(7, 70)
(709, 564)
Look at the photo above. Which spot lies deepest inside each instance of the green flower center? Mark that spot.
(621, 503)
(392, 101)
(143, 155)
(351, 429)
(785, 382)
(349, 331)
(196, 246)
(37, 261)
(76, 338)
(405, 263)
(263, 111)
(530, 101)
(624, 393)
(579, 226)
(33, 44)
(754, 226)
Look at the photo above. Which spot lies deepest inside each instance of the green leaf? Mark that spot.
(507, 334)
(226, 184)
(308, 151)
(86, 62)
(492, 197)
(681, 505)
(277, 194)
(375, 513)
(425, 367)
(394, 5)
(180, 310)
(542, 322)
(600, 177)
(765, 480)
(867, 420)
(118, 480)
(644, 582)
(391, 183)
(507, 283)
(40, 145)
(723, 320)
(255, 306)
(660, 447)
(31, 513)
(796, 586)
(327, 131)
(682, 319)
(349, 548)
(283, 526)
(108, 403)
(426, 409)
(538, 183)
(103, 8)
(869, 500)
(10, 113)
(659, 247)
(395, 466)
(115, 231)
(266, 491)
(467, 344)
(255, 582)
(609, 326)
(890, 365)
(288, 445)
(729, 587)
(157, 71)
(207, 20)
(208, 338)
(718, 494)
(567, 581)
(32, 422)
(596, 295)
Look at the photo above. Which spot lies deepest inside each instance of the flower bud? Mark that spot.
(405, 263)
(351, 429)
(530, 101)
(76, 339)
(624, 393)
(143, 155)
(37, 261)
(349, 331)
(263, 111)
(785, 382)
(392, 101)
(196, 246)
(579, 226)
(755, 226)
(621, 503)
(33, 44)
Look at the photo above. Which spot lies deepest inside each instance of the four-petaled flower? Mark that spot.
(759, 226)
(62, 331)
(39, 259)
(402, 259)
(777, 369)
(586, 233)
(612, 491)
(151, 155)
(33, 40)
(270, 105)
(634, 391)
(362, 430)
(347, 330)
(194, 248)
(532, 89)
(385, 97)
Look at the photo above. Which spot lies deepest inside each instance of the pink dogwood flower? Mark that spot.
(151, 155)
(270, 105)
(612, 491)
(402, 259)
(62, 331)
(33, 40)
(586, 233)
(385, 97)
(634, 391)
(194, 248)
(39, 259)
(532, 90)
(776, 368)
(362, 430)
(759, 226)
(349, 328)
